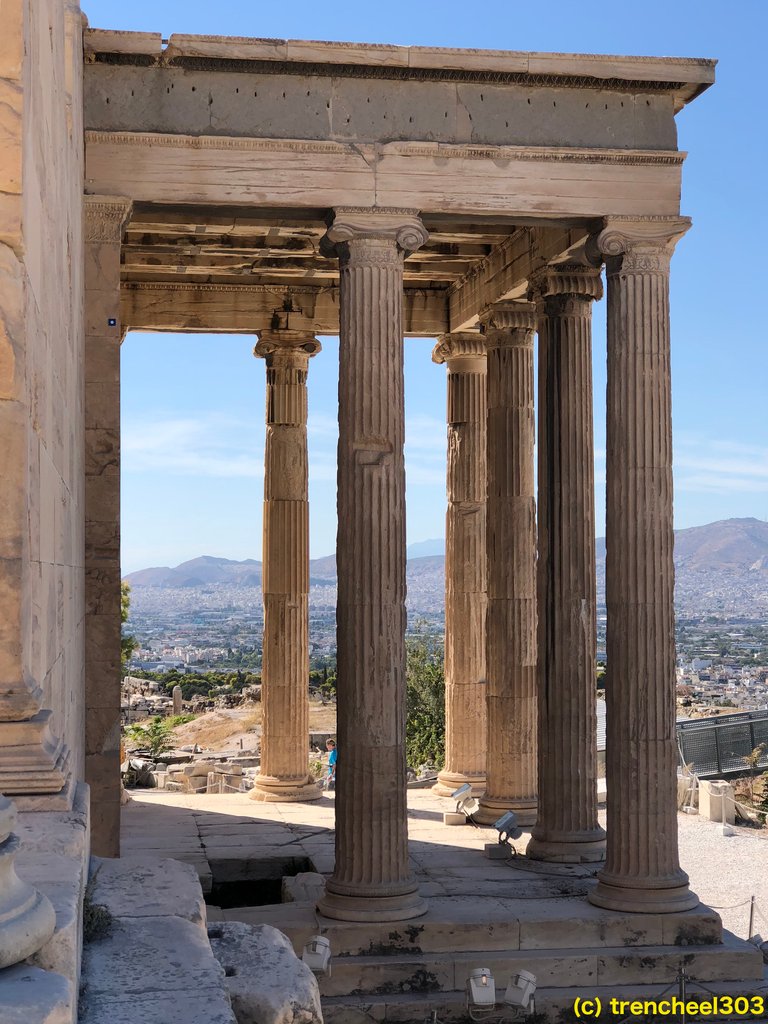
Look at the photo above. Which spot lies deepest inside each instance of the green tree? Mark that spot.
(128, 644)
(425, 700)
(154, 737)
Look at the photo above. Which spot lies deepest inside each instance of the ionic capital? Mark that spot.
(367, 234)
(638, 244)
(287, 348)
(463, 352)
(508, 323)
(106, 218)
(568, 280)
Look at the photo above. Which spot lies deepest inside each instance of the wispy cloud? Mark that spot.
(720, 466)
(215, 445)
(210, 445)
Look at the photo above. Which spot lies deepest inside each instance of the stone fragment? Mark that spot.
(305, 886)
(267, 982)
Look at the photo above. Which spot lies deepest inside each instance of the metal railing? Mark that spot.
(717, 746)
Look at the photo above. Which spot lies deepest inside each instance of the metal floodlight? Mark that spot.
(481, 990)
(317, 955)
(507, 827)
(520, 990)
(466, 804)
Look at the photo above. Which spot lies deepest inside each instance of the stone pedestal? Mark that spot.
(511, 545)
(642, 870)
(27, 918)
(465, 563)
(372, 880)
(105, 220)
(567, 829)
(285, 673)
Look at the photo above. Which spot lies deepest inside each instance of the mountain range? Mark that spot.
(731, 546)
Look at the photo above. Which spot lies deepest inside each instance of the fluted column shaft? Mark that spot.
(285, 661)
(511, 551)
(372, 878)
(642, 870)
(465, 562)
(567, 829)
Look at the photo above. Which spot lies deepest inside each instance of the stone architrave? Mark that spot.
(105, 220)
(567, 829)
(465, 562)
(372, 880)
(284, 771)
(642, 870)
(511, 546)
(27, 918)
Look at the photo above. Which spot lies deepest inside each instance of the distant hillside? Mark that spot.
(731, 546)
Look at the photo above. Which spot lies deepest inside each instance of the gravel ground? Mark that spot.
(727, 870)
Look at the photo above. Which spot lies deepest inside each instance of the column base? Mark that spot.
(270, 789)
(369, 909)
(448, 782)
(492, 808)
(613, 893)
(577, 848)
(35, 760)
(27, 916)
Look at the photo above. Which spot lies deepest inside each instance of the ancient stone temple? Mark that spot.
(288, 190)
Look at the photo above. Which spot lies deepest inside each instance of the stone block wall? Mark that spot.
(41, 391)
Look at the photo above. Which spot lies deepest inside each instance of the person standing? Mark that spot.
(330, 746)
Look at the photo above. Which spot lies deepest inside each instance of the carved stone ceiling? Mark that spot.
(229, 246)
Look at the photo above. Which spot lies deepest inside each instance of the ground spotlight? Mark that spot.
(465, 803)
(508, 828)
(520, 989)
(317, 955)
(481, 993)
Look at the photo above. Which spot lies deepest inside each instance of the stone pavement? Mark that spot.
(448, 860)
(502, 914)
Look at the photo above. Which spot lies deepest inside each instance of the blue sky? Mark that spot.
(193, 407)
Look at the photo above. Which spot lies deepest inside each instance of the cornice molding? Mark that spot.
(438, 150)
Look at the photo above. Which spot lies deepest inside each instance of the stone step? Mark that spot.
(462, 924)
(553, 1004)
(733, 960)
(151, 960)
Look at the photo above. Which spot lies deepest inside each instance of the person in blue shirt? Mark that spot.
(330, 746)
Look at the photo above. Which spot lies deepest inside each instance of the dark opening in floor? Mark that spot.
(251, 882)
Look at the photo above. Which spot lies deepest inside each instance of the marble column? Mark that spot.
(105, 220)
(567, 829)
(465, 562)
(372, 880)
(285, 662)
(642, 870)
(27, 918)
(511, 548)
